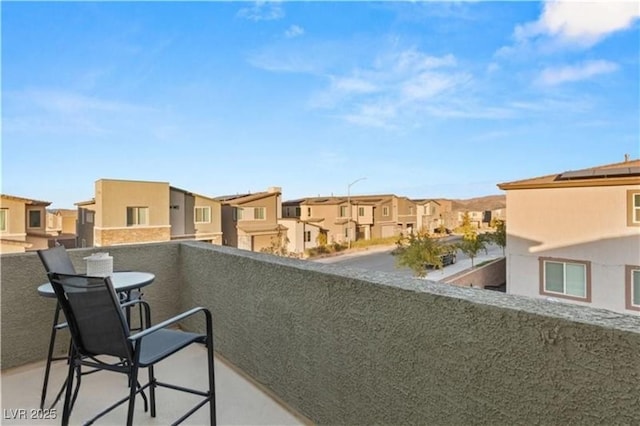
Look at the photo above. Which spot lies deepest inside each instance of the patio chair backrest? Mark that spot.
(92, 309)
(56, 259)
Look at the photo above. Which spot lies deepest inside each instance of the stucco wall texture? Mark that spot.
(344, 347)
(26, 317)
(347, 347)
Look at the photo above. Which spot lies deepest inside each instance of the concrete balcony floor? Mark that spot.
(238, 400)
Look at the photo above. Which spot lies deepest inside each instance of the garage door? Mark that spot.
(388, 231)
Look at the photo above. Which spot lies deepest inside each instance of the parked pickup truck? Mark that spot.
(447, 259)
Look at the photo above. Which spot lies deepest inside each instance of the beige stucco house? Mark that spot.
(128, 212)
(356, 217)
(250, 221)
(301, 235)
(194, 216)
(23, 224)
(575, 237)
(61, 221)
(435, 213)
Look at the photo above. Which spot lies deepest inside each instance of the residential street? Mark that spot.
(382, 260)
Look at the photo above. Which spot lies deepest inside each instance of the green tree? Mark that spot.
(419, 250)
(499, 236)
(466, 227)
(471, 245)
(322, 239)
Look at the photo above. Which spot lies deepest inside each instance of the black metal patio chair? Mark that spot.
(56, 259)
(98, 328)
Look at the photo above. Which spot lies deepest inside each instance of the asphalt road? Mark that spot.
(384, 261)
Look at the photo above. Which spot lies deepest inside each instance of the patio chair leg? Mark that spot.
(152, 390)
(212, 384)
(47, 370)
(66, 411)
(133, 389)
(75, 393)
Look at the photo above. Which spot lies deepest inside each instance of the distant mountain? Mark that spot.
(489, 202)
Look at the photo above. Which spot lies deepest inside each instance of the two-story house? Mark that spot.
(195, 217)
(433, 214)
(356, 217)
(575, 236)
(61, 227)
(250, 221)
(128, 212)
(23, 224)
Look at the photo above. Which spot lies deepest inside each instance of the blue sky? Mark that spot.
(424, 99)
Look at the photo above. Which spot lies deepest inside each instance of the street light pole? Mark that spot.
(349, 208)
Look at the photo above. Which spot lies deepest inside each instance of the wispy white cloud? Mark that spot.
(582, 23)
(71, 102)
(262, 11)
(294, 31)
(393, 87)
(61, 112)
(572, 73)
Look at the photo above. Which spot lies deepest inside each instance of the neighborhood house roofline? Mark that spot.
(355, 199)
(29, 201)
(184, 191)
(624, 173)
(85, 203)
(242, 199)
(131, 181)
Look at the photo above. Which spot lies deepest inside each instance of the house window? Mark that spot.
(259, 213)
(202, 214)
(360, 211)
(570, 279)
(4, 216)
(633, 207)
(411, 210)
(385, 211)
(309, 211)
(35, 218)
(632, 278)
(137, 216)
(89, 217)
(307, 236)
(298, 212)
(343, 211)
(237, 214)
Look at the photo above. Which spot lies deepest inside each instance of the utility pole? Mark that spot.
(349, 208)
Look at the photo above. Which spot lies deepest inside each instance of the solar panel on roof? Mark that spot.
(600, 173)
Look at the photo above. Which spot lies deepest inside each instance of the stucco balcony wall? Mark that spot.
(26, 316)
(357, 347)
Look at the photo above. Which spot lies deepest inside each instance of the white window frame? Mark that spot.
(135, 215)
(29, 211)
(237, 214)
(259, 213)
(633, 209)
(385, 210)
(360, 211)
(630, 291)
(205, 213)
(343, 211)
(4, 224)
(564, 262)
